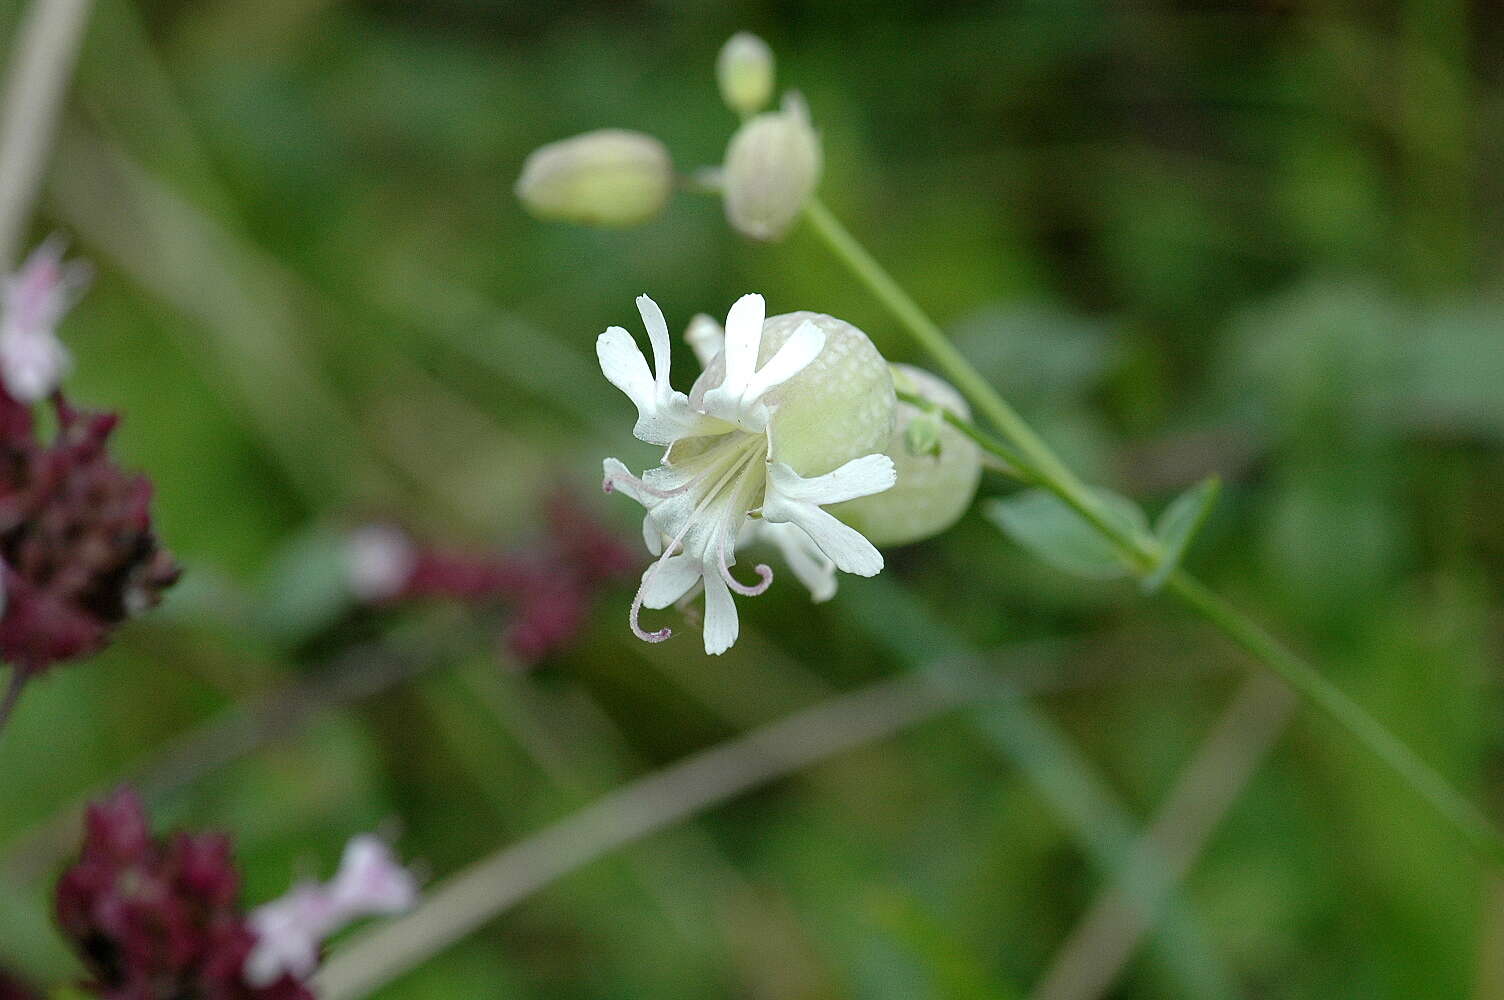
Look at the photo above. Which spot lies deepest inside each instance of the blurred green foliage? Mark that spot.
(1261, 241)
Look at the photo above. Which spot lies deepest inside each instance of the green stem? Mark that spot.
(1051, 473)
(1033, 457)
(1481, 834)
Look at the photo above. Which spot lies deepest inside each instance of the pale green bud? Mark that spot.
(933, 490)
(772, 167)
(744, 72)
(609, 177)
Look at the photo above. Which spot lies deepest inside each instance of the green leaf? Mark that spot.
(1178, 525)
(1043, 524)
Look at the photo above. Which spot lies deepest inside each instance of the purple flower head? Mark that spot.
(156, 918)
(76, 538)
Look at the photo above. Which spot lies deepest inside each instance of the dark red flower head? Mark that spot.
(75, 537)
(158, 918)
(12, 988)
(547, 588)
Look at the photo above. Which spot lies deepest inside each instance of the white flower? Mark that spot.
(289, 930)
(731, 462)
(32, 303)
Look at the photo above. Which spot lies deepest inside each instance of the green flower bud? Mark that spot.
(609, 177)
(933, 490)
(744, 72)
(772, 167)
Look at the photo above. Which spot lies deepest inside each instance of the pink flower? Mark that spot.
(32, 303)
(290, 931)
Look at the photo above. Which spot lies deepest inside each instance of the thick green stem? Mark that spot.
(1039, 463)
(1303, 678)
(1051, 473)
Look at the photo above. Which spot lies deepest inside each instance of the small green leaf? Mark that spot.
(1178, 525)
(1044, 525)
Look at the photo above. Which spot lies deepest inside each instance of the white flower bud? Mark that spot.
(609, 177)
(933, 490)
(744, 72)
(772, 167)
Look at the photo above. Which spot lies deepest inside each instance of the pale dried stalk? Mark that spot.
(1095, 954)
(41, 62)
(651, 803)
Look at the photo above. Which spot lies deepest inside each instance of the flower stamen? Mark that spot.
(763, 571)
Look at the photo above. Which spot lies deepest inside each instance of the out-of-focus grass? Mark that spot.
(1260, 242)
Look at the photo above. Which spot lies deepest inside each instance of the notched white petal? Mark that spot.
(657, 327)
(846, 547)
(744, 323)
(738, 399)
(802, 347)
(663, 415)
(859, 477)
(617, 478)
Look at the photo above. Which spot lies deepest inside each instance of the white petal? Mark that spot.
(846, 547)
(668, 580)
(721, 625)
(657, 326)
(624, 367)
(802, 347)
(652, 537)
(859, 477)
(809, 565)
(370, 881)
(663, 415)
(743, 338)
(619, 479)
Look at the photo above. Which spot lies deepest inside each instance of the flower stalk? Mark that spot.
(1035, 462)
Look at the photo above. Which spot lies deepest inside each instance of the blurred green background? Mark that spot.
(1260, 240)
